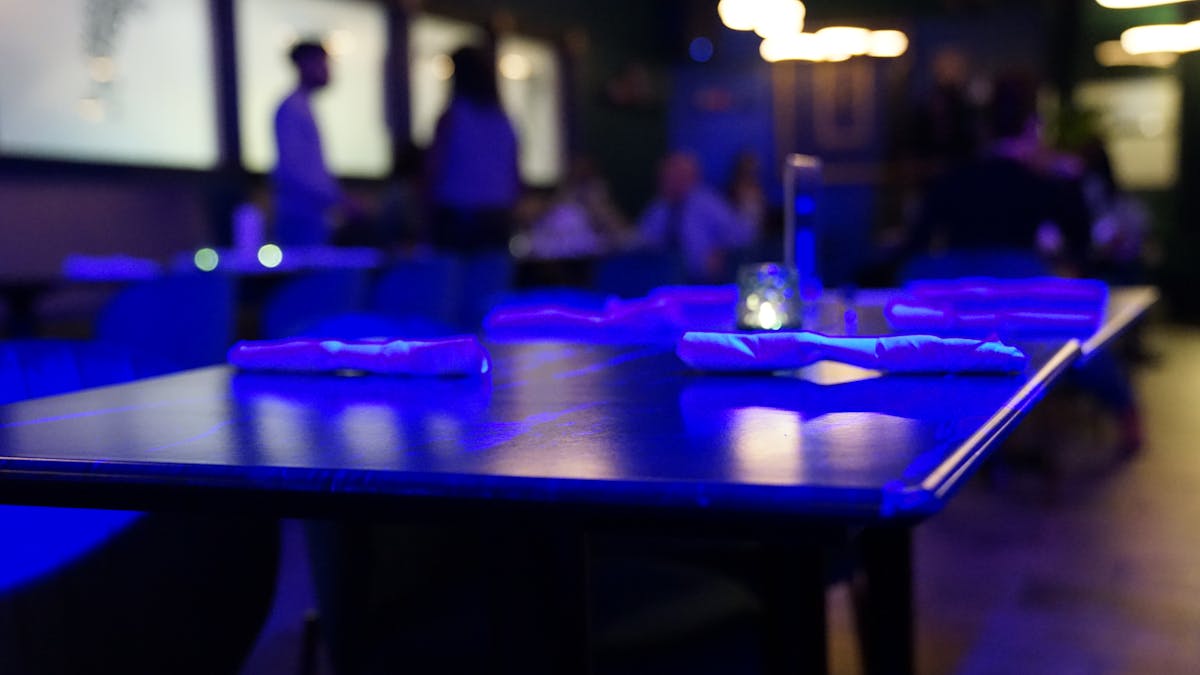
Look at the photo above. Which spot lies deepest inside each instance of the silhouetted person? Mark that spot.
(691, 218)
(472, 164)
(304, 189)
(1017, 196)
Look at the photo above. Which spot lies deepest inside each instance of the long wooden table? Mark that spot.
(571, 437)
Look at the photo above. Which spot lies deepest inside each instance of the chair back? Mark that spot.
(486, 279)
(187, 319)
(302, 302)
(43, 367)
(426, 287)
(634, 274)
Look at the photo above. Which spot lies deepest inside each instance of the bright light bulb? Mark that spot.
(1111, 53)
(1130, 4)
(1170, 37)
(443, 66)
(514, 67)
(768, 318)
(340, 43)
(887, 43)
(798, 47)
(779, 17)
(739, 14)
(102, 69)
(844, 41)
(270, 255)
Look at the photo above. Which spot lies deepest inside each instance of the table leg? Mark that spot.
(573, 652)
(794, 631)
(540, 608)
(884, 601)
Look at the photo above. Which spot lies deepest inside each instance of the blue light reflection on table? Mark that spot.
(586, 424)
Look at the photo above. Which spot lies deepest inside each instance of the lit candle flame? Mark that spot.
(768, 318)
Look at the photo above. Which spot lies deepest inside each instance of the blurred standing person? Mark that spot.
(472, 164)
(304, 189)
(691, 218)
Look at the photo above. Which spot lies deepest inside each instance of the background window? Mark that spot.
(1139, 119)
(349, 112)
(531, 92)
(108, 80)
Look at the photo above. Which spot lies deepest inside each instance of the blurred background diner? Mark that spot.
(178, 174)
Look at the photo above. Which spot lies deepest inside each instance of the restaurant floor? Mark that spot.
(1082, 564)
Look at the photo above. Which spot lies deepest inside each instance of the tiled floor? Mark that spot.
(1096, 571)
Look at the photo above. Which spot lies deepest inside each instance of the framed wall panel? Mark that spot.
(112, 81)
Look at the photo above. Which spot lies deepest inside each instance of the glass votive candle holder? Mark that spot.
(768, 297)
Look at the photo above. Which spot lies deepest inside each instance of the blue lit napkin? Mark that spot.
(1046, 306)
(669, 308)
(909, 315)
(1038, 293)
(788, 350)
(463, 355)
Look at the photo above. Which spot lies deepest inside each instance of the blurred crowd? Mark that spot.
(983, 178)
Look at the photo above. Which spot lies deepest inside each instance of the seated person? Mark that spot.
(691, 218)
(1015, 197)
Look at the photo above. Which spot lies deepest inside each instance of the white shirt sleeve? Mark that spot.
(300, 168)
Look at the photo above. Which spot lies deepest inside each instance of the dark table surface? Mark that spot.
(599, 429)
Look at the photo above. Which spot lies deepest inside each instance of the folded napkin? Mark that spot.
(669, 308)
(977, 306)
(898, 353)
(109, 268)
(1041, 293)
(912, 315)
(462, 355)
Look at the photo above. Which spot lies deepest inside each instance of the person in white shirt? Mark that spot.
(304, 190)
(691, 218)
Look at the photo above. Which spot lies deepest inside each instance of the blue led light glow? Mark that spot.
(701, 50)
(805, 205)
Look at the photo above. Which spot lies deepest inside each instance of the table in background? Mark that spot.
(576, 438)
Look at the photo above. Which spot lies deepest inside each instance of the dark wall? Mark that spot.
(50, 212)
